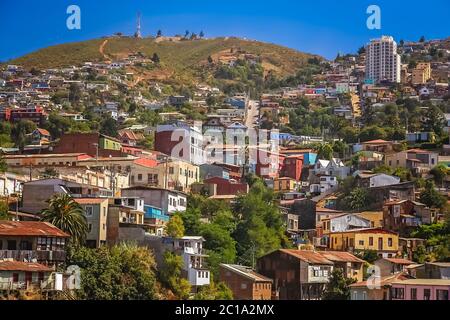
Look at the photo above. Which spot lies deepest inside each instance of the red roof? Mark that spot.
(43, 132)
(83, 157)
(418, 151)
(378, 141)
(30, 228)
(399, 261)
(23, 266)
(145, 162)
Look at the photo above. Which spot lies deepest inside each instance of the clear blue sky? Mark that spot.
(323, 27)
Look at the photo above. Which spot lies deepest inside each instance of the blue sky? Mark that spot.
(323, 27)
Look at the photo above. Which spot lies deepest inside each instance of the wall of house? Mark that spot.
(343, 240)
(285, 272)
(243, 288)
(420, 290)
(35, 196)
(368, 294)
(6, 277)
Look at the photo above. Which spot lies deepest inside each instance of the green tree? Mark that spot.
(4, 209)
(220, 246)
(260, 228)
(109, 127)
(434, 120)
(337, 287)
(170, 275)
(358, 199)
(175, 227)
(440, 172)
(122, 272)
(214, 292)
(431, 197)
(3, 165)
(20, 131)
(324, 151)
(67, 215)
(57, 125)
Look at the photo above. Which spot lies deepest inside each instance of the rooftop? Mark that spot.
(30, 228)
(399, 261)
(424, 282)
(308, 256)
(246, 272)
(23, 266)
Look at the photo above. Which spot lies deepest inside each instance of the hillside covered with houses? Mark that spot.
(194, 168)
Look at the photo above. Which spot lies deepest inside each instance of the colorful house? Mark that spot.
(384, 242)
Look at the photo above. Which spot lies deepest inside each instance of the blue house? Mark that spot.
(151, 212)
(237, 103)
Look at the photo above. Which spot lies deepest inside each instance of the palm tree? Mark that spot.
(66, 214)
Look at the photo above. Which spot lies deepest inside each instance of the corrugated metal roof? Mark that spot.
(23, 266)
(308, 256)
(246, 272)
(30, 228)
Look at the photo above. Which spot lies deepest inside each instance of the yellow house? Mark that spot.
(284, 184)
(384, 242)
(375, 218)
(422, 73)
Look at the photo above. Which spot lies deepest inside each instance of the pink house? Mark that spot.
(421, 289)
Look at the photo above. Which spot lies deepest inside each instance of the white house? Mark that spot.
(325, 183)
(334, 167)
(193, 256)
(372, 180)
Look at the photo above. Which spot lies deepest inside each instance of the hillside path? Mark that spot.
(101, 49)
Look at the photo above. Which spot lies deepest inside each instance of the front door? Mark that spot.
(28, 278)
(380, 243)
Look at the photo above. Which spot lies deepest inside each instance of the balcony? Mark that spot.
(30, 255)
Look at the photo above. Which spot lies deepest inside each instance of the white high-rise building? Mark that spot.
(382, 60)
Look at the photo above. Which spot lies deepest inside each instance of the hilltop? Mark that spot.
(180, 59)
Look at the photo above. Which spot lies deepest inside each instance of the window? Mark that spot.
(426, 294)
(15, 277)
(441, 294)
(89, 211)
(390, 242)
(361, 242)
(140, 177)
(104, 211)
(398, 293)
(89, 227)
(413, 293)
(12, 245)
(243, 286)
(104, 226)
(370, 241)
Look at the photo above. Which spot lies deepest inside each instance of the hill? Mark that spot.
(183, 59)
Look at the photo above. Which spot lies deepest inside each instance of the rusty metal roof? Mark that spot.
(23, 266)
(30, 228)
(340, 256)
(308, 256)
